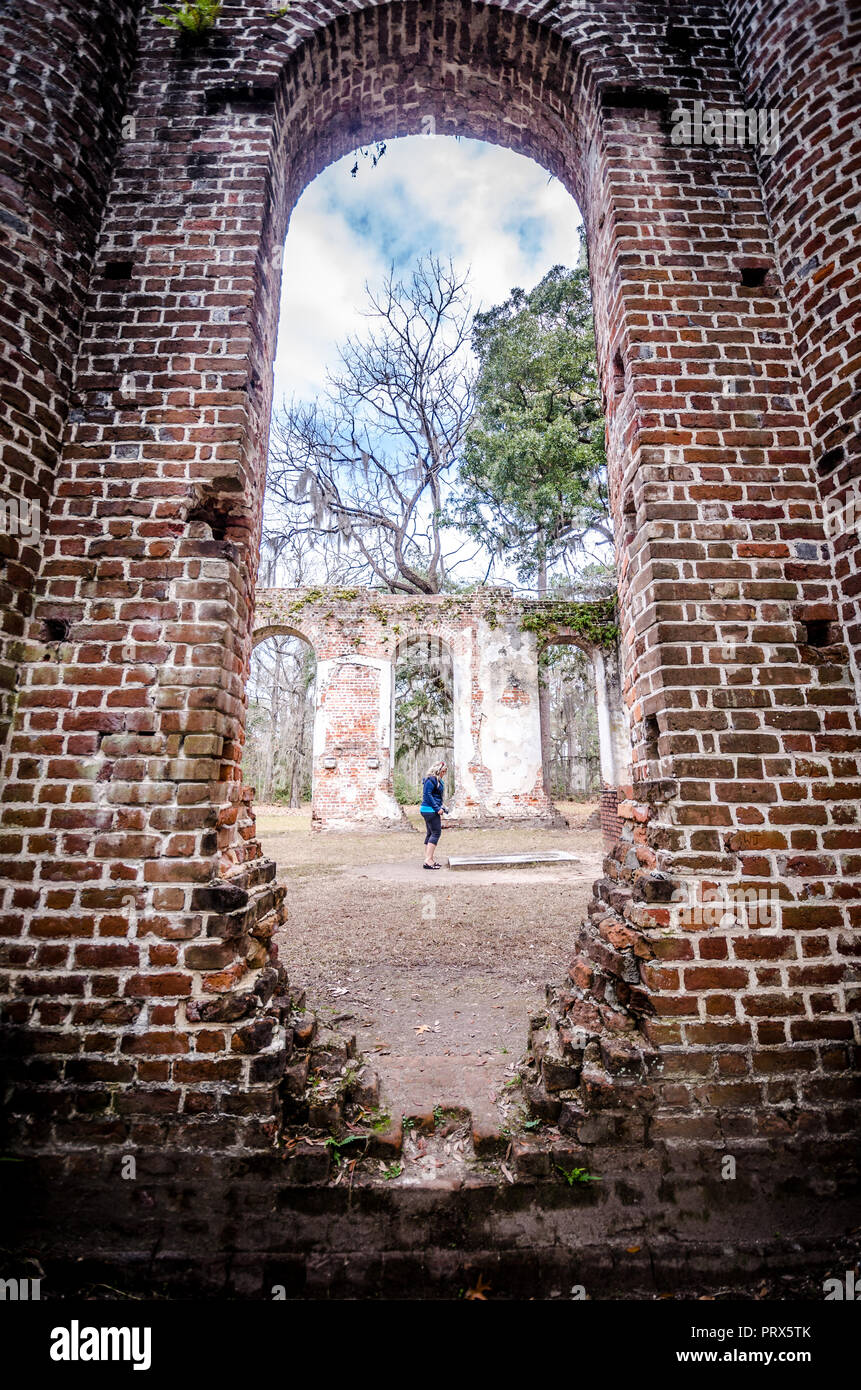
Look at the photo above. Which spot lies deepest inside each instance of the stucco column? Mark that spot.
(614, 740)
(352, 779)
(464, 777)
(497, 730)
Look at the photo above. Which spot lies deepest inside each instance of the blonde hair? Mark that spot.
(435, 768)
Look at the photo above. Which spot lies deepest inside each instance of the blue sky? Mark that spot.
(492, 211)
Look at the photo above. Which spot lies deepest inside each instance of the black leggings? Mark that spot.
(434, 824)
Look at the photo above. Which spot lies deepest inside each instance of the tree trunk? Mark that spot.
(544, 691)
(296, 760)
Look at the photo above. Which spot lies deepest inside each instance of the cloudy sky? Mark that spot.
(492, 211)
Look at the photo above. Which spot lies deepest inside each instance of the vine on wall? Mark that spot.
(595, 620)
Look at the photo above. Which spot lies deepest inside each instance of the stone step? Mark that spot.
(422, 1089)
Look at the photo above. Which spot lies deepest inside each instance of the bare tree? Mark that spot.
(279, 727)
(291, 558)
(368, 466)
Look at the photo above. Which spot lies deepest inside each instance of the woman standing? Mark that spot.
(432, 809)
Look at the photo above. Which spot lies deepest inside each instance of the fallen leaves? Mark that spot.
(480, 1290)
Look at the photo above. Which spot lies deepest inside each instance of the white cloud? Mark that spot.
(488, 208)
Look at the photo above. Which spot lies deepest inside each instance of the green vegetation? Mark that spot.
(406, 790)
(572, 1175)
(534, 466)
(193, 19)
(595, 620)
(316, 595)
(338, 1147)
(424, 715)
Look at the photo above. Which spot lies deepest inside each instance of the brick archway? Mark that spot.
(121, 771)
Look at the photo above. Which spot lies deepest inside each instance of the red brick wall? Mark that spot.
(611, 825)
(745, 733)
(351, 765)
(802, 61)
(122, 771)
(65, 74)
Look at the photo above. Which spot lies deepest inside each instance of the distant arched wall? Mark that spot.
(356, 635)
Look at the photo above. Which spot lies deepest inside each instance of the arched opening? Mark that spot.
(423, 722)
(521, 94)
(573, 765)
(515, 87)
(277, 761)
(588, 747)
(367, 930)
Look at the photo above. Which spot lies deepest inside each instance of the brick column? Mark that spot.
(719, 943)
(800, 63)
(139, 910)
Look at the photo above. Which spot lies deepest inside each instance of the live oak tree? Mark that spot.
(370, 465)
(534, 467)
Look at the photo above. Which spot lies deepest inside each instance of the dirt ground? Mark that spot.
(435, 973)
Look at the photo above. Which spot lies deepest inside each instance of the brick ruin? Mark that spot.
(147, 190)
(357, 634)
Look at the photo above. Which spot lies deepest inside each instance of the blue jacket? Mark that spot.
(433, 793)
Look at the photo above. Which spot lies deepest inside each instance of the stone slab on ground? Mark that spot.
(518, 860)
(586, 870)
